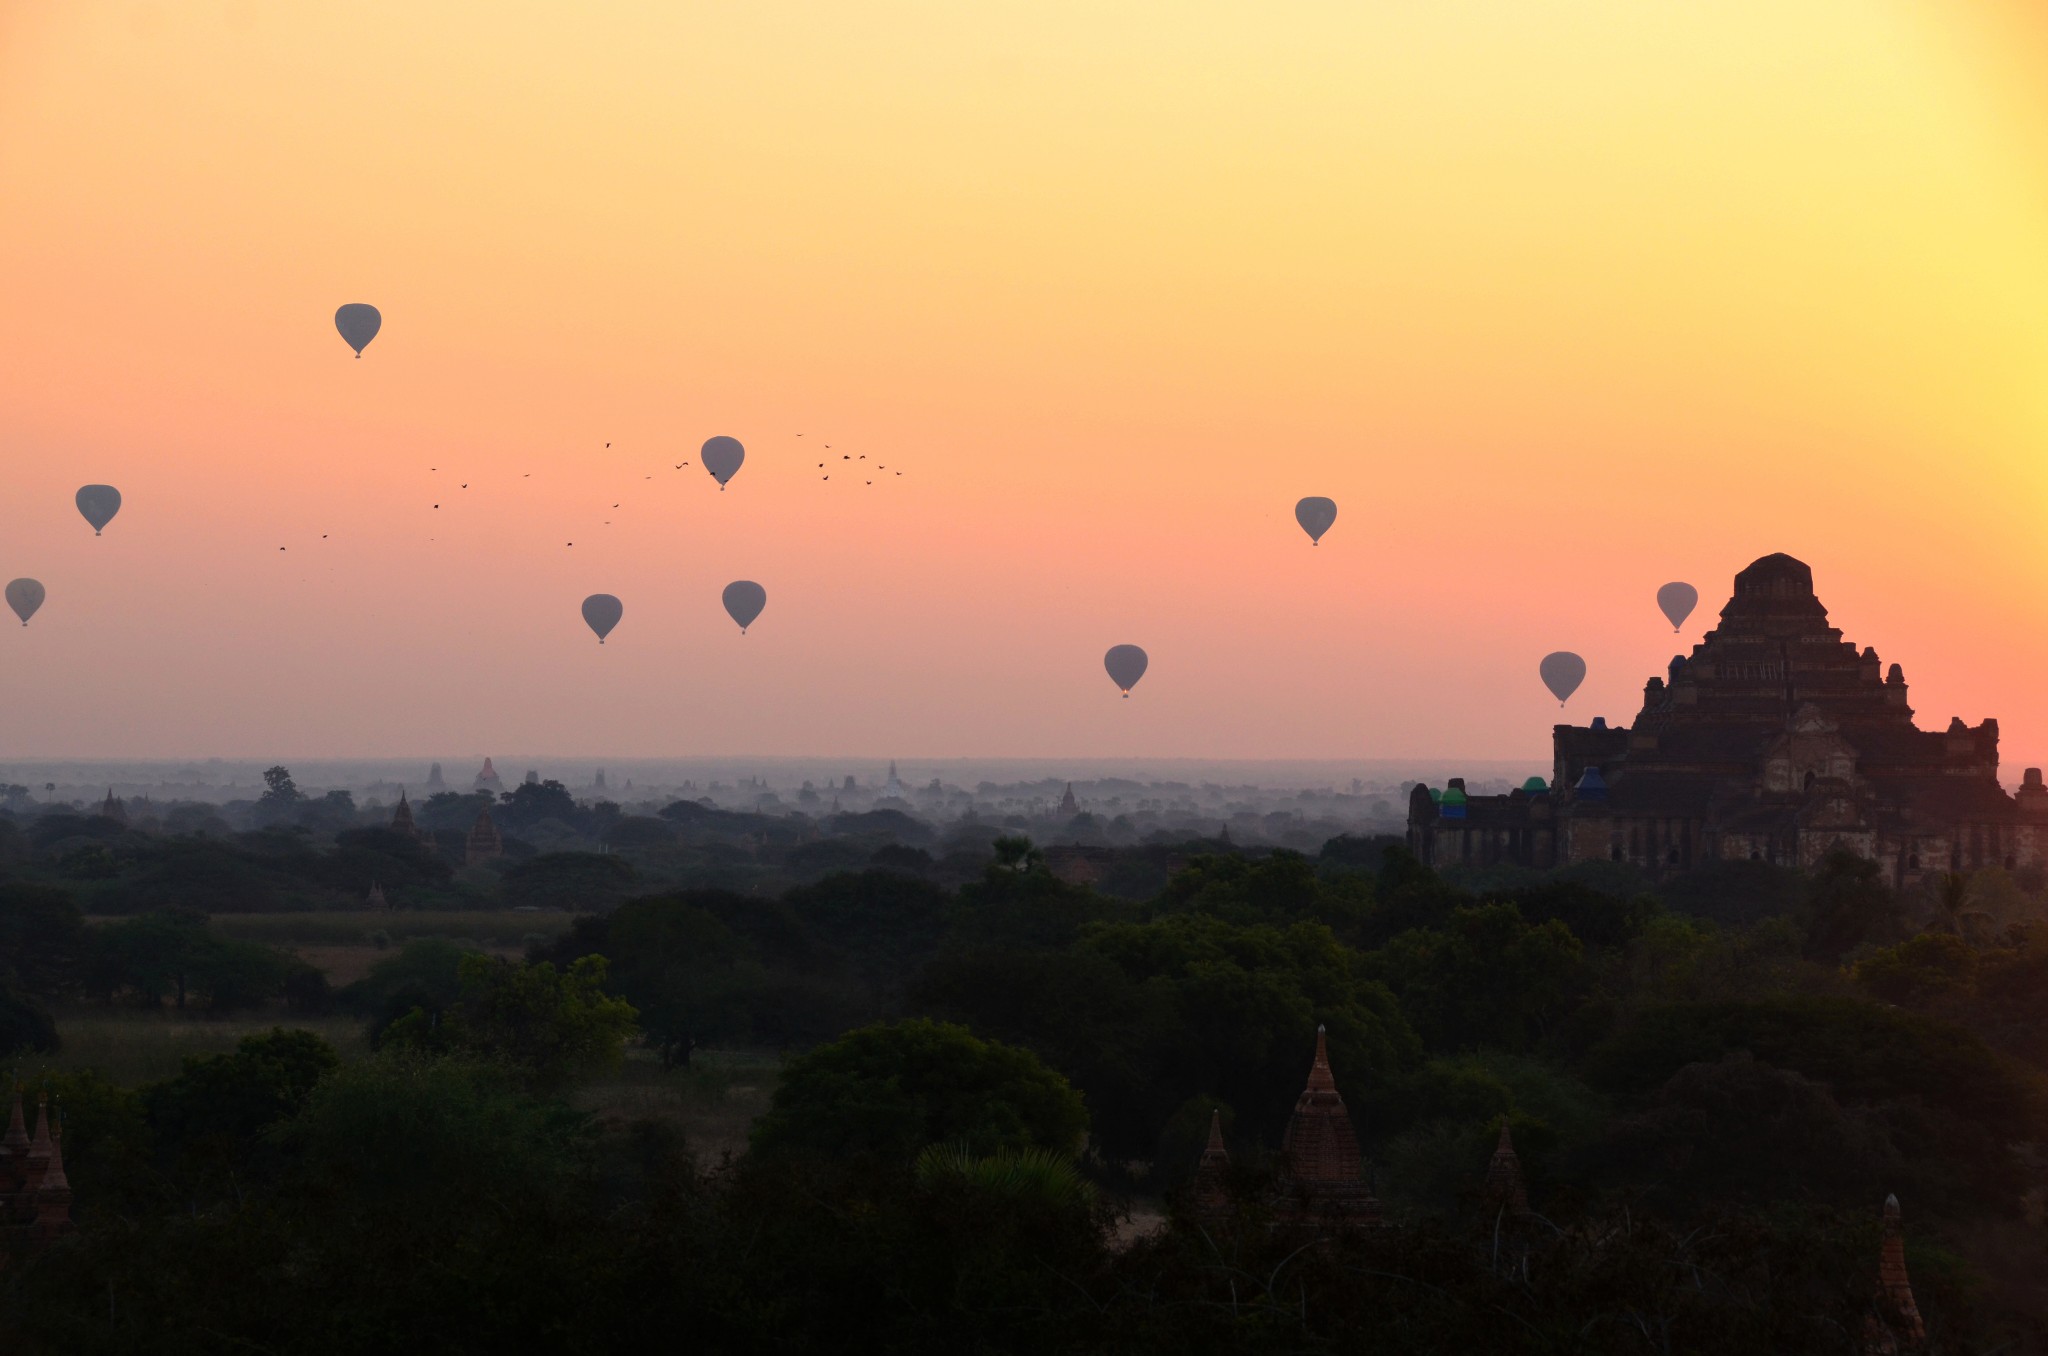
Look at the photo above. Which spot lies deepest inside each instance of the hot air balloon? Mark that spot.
(1126, 665)
(358, 322)
(601, 612)
(1315, 514)
(1562, 673)
(744, 599)
(99, 504)
(24, 596)
(1677, 601)
(722, 457)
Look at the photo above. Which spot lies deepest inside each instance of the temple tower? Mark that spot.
(1505, 1188)
(488, 779)
(484, 841)
(1324, 1169)
(1211, 1194)
(1894, 1327)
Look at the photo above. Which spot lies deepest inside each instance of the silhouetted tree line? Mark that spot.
(1711, 1098)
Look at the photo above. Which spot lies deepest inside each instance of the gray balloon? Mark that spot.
(99, 504)
(1126, 665)
(24, 596)
(1562, 673)
(1677, 602)
(601, 612)
(744, 600)
(358, 322)
(1315, 514)
(722, 457)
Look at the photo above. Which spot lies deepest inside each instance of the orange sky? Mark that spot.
(1558, 300)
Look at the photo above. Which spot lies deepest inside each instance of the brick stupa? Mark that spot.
(1325, 1181)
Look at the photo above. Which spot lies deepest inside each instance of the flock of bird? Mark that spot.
(744, 600)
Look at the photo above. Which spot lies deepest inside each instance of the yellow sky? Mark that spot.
(1559, 299)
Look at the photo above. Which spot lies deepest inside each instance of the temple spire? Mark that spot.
(37, 1160)
(1212, 1196)
(53, 1175)
(1505, 1187)
(1325, 1172)
(1320, 1079)
(1894, 1327)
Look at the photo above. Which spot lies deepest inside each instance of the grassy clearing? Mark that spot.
(714, 1101)
(492, 929)
(131, 1046)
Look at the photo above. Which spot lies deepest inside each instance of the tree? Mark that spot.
(425, 975)
(280, 792)
(530, 802)
(1960, 903)
(44, 942)
(579, 881)
(1847, 905)
(1017, 855)
(211, 1114)
(550, 1025)
(884, 1093)
(1487, 977)
(25, 1025)
(1920, 970)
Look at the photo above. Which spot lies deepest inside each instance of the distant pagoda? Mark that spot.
(112, 808)
(484, 842)
(488, 779)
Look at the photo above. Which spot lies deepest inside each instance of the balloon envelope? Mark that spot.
(744, 600)
(722, 457)
(1562, 673)
(358, 322)
(1126, 665)
(24, 596)
(1677, 602)
(601, 612)
(99, 504)
(1315, 514)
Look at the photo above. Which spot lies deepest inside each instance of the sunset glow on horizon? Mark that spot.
(1558, 301)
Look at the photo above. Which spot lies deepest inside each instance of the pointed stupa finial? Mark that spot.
(1215, 1148)
(1319, 1076)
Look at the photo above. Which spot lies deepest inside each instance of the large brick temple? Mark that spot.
(1774, 740)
